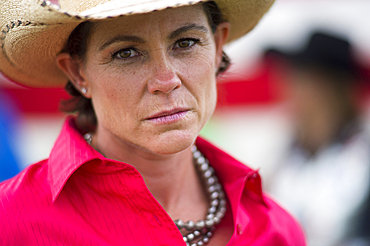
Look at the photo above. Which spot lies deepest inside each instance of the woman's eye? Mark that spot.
(126, 53)
(185, 43)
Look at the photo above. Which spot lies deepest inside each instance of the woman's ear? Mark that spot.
(72, 68)
(221, 35)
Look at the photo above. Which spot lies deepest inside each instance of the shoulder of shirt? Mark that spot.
(25, 185)
(285, 223)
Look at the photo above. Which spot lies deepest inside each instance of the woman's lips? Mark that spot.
(167, 117)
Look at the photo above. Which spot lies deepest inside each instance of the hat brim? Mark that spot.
(33, 33)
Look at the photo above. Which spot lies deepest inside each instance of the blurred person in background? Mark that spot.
(9, 163)
(324, 178)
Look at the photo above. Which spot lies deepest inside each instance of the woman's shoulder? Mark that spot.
(30, 183)
(283, 223)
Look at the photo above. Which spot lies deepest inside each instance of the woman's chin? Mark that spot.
(171, 143)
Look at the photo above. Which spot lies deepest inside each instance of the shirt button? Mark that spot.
(239, 229)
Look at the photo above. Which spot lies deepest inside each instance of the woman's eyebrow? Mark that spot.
(172, 35)
(177, 32)
(121, 38)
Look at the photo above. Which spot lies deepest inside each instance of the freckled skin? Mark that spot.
(161, 77)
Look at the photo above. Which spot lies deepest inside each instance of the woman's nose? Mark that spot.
(165, 78)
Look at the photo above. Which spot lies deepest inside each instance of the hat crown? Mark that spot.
(329, 50)
(330, 47)
(322, 49)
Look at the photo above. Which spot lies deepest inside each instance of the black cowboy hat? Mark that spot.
(323, 50)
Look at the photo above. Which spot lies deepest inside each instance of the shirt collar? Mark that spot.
(237, 180)
(236, 177)
(70, 151)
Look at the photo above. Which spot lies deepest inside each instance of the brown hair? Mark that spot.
(76, 46)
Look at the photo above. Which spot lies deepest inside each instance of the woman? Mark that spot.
(143, 77)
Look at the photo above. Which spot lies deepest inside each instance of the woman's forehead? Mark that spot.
(164, 20)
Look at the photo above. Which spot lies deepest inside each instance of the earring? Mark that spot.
(83, 90)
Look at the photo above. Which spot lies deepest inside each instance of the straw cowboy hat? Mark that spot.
(33, 32)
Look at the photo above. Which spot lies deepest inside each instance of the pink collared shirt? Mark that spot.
(79, 197)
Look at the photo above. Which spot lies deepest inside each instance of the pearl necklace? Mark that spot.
(200, 232)
(202, 229)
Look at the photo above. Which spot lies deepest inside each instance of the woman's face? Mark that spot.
(151, 77)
